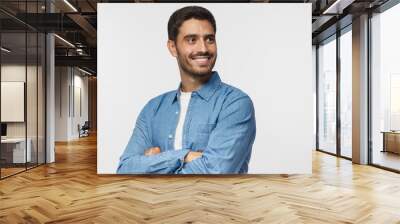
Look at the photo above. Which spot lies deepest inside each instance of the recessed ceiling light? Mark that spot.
(337, 7)
(70, 5)
(84, 71)
(64, 40)
(5, 50)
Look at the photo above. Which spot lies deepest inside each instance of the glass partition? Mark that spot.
(32, 95)
(41, 85)
(13, 110)
(22, 63)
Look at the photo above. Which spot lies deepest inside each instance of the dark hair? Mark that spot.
(190, 12)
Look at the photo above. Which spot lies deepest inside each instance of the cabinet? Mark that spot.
(391, 142)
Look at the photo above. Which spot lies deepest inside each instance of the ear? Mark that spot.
(172, 48)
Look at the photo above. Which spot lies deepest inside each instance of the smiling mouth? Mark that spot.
(201, 60)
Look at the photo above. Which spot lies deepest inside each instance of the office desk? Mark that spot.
(391, 141)
(15, 148)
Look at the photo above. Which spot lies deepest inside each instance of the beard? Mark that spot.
(196, 72)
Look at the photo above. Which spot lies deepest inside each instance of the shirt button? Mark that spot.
(169, 136)
(176, 112)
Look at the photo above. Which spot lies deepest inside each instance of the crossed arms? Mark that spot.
(228, 146)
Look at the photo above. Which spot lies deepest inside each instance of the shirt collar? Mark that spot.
(206, 90)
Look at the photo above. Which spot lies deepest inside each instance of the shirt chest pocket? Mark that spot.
(202, 135)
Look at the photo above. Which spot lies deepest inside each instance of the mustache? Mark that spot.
(206, 54)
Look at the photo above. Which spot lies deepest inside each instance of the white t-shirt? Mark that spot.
(184, 100)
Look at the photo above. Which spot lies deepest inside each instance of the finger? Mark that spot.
(149, 151)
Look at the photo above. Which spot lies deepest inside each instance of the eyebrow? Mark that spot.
(195, 35)
(190, 36)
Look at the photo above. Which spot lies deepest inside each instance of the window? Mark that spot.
(346, 94)
(385, 89)
(327, 96)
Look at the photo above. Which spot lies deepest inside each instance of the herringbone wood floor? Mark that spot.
(70, 191)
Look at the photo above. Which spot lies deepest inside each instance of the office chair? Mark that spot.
(84, 130)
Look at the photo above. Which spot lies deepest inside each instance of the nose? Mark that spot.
(202, 46)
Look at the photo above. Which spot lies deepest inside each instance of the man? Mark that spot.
(203, 127)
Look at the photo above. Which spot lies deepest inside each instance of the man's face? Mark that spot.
(195, 47)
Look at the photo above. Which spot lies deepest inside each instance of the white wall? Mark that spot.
(80, 84)
(261, 50)
(61, 103)
(67, 85)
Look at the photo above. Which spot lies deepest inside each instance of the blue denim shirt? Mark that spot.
(219, 121)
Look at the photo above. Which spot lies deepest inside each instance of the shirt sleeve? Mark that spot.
(133, 160)
(229, 143)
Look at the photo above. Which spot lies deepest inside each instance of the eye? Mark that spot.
(210, 40)
(191, 40)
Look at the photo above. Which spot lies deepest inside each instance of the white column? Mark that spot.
(360, 90)
(50, 92)
(50, 100)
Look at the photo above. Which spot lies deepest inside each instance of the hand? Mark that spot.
(152, 151)
(192, 155)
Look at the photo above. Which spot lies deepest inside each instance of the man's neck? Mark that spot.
(190, 83)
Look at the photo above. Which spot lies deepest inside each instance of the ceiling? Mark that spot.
(76, 22)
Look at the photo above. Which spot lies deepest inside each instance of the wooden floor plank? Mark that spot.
(70, 191)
